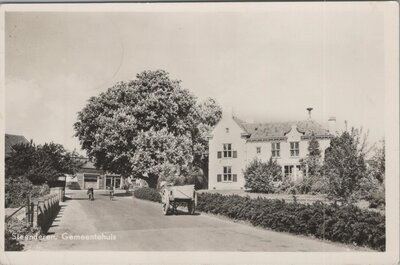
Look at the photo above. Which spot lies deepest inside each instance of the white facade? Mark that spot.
(290, 142)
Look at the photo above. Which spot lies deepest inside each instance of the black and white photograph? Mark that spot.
(210, 133)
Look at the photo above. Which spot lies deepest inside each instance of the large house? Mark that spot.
(234, 143)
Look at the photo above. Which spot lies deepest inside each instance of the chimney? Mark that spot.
(332, 124)
(309, 113)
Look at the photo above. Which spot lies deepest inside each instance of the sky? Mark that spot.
(266, 65)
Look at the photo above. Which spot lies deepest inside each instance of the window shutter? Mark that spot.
(234, 178)
(219, 177)
(234, 154)
(219, 154)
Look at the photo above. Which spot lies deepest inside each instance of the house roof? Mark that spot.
(88, 164)
(267, 130)
(12, 139)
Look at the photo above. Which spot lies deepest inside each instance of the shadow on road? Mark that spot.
(122, 194)
(55, 220)
(75, 199)
(184, 212)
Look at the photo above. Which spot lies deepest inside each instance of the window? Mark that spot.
(294, 149)
(289, 171)
(276, 149)
(258, 150)
(227, 173)
(227, 150)
(227, 130)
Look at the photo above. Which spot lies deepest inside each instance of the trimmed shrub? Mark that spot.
(346, 224)
(147, 194)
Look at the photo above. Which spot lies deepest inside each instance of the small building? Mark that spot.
(88, 176)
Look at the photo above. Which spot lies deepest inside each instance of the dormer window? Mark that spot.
(227, 130)
(294, 149)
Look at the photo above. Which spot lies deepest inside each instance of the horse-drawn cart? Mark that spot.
(172, 196)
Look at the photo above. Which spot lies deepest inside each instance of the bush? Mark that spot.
(147, 194)
(346, 224)
(17, 227)
(18, 190)
(377, 200)
(310, 185)
(260, 176)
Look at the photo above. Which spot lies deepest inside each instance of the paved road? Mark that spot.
(139, 225)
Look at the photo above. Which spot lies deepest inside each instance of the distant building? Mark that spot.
(11, 140)
(88, 176)
(234, 143)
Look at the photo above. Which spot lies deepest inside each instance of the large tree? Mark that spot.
(148, 127)
(344, 166)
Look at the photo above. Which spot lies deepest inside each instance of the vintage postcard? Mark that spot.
(200, 133)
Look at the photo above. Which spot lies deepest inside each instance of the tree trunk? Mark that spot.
(152, 180)
(204, 168)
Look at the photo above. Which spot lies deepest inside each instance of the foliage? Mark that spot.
(306, 185)
(149, 194)
(40, 164)
(346, 224)
(194, 176)
(148, 127)
(377, 199)
(344, 166)
(311, 164)
(259, 176)
(377, 164)
(17, 227)
(11, 244)
(17, 190)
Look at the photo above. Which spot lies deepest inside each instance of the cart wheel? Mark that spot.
(165, 207)
(174, 209)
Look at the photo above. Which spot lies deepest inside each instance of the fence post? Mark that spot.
(31, 214)
(27, 214)
(54, 205)
(46, 211)
(35, 213)
(42, 215)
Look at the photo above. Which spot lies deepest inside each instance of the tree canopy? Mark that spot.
(147, 127)
(40, 164)
(312, 163)
(344, 166)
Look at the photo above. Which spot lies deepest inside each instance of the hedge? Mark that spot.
(147, 194)
(345, 224)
